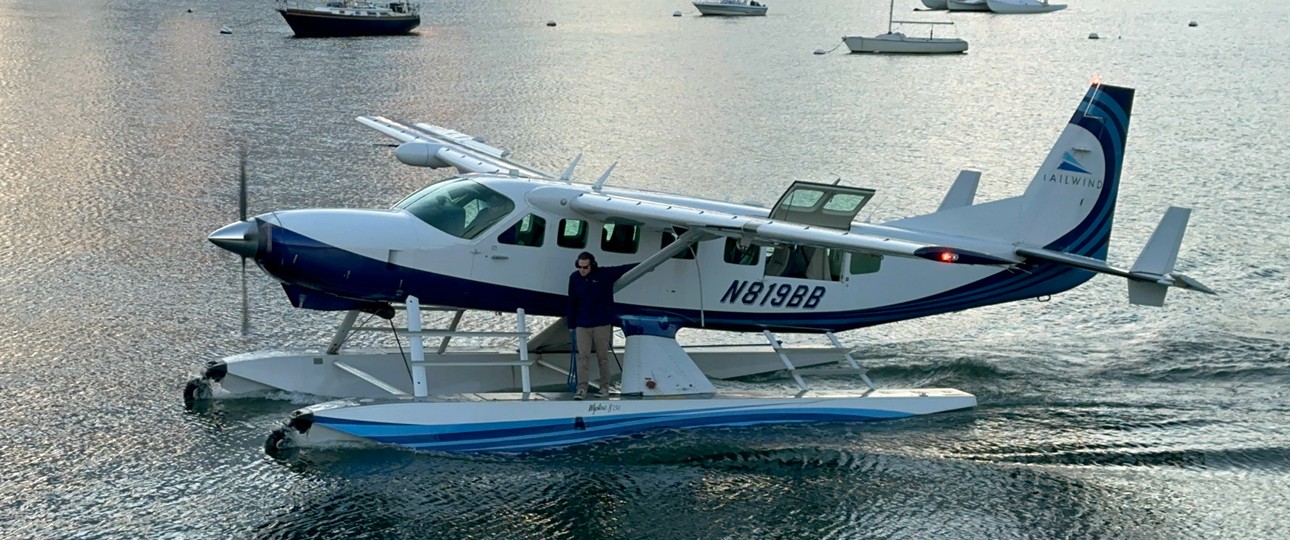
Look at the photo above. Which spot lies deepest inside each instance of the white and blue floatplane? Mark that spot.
(500, 237)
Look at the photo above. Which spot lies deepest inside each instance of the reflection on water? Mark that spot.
(121, 124)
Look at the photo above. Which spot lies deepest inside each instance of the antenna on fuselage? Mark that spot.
(567, 177)
(601, 181)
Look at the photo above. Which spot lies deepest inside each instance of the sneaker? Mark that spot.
(580, 396)
(603, 394)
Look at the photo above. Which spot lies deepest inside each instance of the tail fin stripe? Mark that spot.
(1105, 115)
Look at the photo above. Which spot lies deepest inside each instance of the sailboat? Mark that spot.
(342, 18)
(897, 42)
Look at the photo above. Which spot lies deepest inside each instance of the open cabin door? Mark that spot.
(821, 205)
(816, 205)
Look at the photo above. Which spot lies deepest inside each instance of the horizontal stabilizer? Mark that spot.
(1184, 282)
(1152, 274)
(963, 192)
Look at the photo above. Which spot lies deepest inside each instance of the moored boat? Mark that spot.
(351, 18)
(1023, 6)
(897, 42)
(731, 8)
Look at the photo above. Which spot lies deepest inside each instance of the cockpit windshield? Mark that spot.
(463, 208)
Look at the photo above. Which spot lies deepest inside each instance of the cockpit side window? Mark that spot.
(528, 231)
(462, 208)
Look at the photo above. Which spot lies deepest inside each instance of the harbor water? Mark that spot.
(120, 129)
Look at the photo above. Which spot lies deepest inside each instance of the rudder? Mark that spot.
(1070, 203)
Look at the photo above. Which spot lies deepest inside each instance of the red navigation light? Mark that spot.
(949, 257)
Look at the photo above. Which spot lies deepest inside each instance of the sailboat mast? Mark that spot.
(891, 10)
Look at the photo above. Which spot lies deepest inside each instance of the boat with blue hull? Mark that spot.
(349, 18)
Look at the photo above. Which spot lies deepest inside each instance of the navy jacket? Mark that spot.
(591, 298)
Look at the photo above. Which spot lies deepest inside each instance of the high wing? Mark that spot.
(701, 222)
(1150, 277)
(426, 145)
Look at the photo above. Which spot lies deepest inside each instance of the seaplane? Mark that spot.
(500, 236)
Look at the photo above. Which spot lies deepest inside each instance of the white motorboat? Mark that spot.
(935, 4)
(897, 42)
(1023, 6)
(967, 5)
(732, 8)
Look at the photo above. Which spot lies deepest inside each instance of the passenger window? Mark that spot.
(745, 256)
(620, 238)
(865, 263)
(786, 261)
(528, 231)
(573, 234)
(688, 253)
(803, 262)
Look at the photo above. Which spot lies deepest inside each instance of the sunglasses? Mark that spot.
(581, 267)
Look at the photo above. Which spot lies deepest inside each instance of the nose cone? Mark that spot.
(241, 238)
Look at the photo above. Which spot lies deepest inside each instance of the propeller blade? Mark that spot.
(246, 304)
(241, 189)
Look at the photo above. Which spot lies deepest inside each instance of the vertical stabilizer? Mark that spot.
(1070, 203)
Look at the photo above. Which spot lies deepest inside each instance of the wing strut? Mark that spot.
(646, 266)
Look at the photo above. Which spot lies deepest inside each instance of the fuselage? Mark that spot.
(495, 243)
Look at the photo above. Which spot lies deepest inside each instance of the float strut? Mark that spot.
(416, 343)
